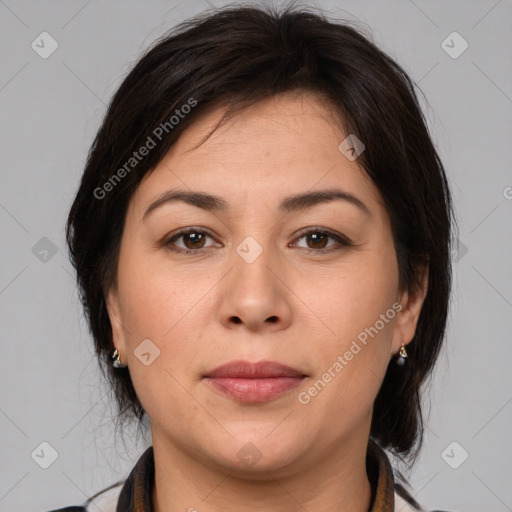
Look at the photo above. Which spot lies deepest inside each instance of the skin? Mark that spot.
(204, 309)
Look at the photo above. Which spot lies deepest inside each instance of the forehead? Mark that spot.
(285, 144)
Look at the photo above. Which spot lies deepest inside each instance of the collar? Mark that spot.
(136, 493)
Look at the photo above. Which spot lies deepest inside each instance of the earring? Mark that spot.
(116, 356)
(403, 354)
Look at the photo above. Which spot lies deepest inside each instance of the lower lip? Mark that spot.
(254, 390)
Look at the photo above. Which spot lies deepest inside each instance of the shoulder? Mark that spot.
(106, 501)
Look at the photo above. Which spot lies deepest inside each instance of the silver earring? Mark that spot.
(116, 356)
(403, 354)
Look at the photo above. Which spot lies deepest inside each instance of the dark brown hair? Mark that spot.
(234, 58)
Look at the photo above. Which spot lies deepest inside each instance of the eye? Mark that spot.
(319, 237)
(193, 239)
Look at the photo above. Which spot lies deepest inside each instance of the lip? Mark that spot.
(245, 381)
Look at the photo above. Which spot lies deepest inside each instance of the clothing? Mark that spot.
(134, 493)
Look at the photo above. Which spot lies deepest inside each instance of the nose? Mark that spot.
(255, 295)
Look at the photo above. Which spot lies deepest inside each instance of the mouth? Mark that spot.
(257, 382)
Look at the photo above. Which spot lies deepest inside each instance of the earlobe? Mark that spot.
(412, 301)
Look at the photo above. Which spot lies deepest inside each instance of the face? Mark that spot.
(259, 276)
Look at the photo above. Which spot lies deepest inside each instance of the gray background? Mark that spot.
(51, 389)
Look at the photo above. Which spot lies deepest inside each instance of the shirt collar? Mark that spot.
(136, 494)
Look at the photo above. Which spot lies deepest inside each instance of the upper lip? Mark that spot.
(254, 370)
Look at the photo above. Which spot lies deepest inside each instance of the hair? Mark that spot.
(233, 58)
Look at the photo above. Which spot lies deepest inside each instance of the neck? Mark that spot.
(337, 481)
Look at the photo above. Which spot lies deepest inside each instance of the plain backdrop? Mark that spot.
(51, 390)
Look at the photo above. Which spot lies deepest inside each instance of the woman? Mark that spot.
(262, 244)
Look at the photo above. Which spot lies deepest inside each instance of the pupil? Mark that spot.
(191, 237)
(315, 236)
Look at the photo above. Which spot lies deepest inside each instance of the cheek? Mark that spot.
(353, 297)
(156, 297)
(159, 306)
(166, 306)
(352, 354)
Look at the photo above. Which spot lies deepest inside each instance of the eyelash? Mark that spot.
(342, 241)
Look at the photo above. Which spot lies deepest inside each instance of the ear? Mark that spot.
(411, 301)
(114, 314)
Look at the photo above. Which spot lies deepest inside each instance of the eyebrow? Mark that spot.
(289, 204)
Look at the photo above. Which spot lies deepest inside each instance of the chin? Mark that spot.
(253, 456)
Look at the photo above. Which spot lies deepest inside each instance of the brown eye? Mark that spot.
(195, 239)
(192, 240)
(317, 240)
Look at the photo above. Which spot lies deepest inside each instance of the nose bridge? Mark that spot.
(252, 261)
(254, 294)
(254, 245)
